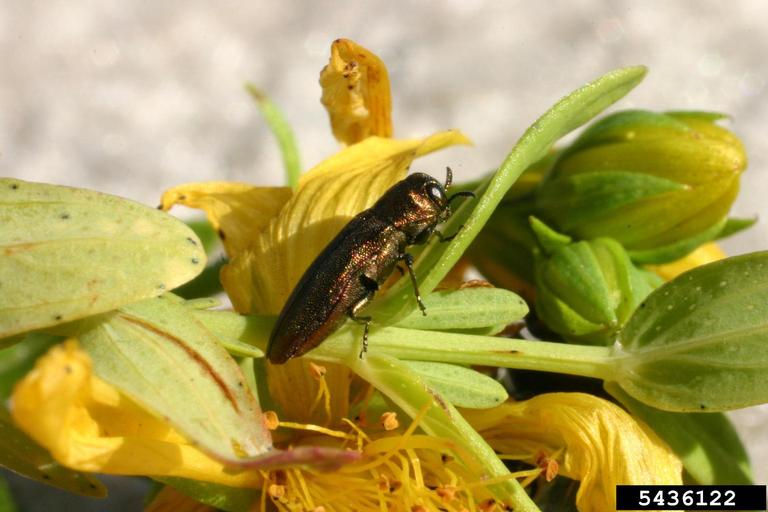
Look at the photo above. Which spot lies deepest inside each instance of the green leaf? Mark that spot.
(68, 253)
(16, 361)
(698, 343)
(204, 285)
(7, 504)
(567, 114)
(205, 232)
(574, 199)
(735, 225)
(282, 132)
(396, 381)
(468, 308)
(678, 249)
(549, 240)
(706, 443)
(156, 353)
(221, 497)
(463, 387)
(23, 456)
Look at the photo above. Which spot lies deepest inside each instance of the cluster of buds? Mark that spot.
(635, 188)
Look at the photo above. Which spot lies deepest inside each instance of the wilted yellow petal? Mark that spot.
(707, 253)
(88, 425)
(356, 93)
(602, 445)
(328, 196)
(235, 210)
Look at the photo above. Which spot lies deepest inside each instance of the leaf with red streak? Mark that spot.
(155, 352)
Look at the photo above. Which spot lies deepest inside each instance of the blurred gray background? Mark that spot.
(132, 97)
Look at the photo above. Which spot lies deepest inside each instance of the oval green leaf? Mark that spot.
(156, 353)
(68, 253)
(468, 308)
(700, 342)
(463, 387)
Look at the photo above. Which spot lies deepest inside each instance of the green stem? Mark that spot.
(446, 347)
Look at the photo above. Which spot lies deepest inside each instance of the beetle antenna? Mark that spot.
(448, 178)
(464, 193)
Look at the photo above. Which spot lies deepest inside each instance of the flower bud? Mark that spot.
(659, 184)
(586, 290)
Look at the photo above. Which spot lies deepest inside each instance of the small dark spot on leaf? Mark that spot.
(68, 369)
(14, 186)
(642, 304)
(702, 406)
(182, 197)
(91, 486)
(57, 317)
(222, 235)
(192, 241)
(195, 261)
(64, 216)
(46, 476)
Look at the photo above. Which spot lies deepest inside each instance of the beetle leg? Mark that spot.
(444, 238)
(365, 320)
(408, 259)
(371, 287)
(400, 269)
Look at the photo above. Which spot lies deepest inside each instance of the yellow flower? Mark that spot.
(356, 93)
(592, 440)
(88, 425)
(707, 253)
(271, 235)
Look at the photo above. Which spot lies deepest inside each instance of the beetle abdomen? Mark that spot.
(332, 285)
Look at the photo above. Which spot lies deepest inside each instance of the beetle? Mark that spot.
(347, 273)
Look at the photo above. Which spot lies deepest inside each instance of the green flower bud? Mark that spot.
(660, 184)
(586, 290)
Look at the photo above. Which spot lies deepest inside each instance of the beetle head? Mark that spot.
(417, 205)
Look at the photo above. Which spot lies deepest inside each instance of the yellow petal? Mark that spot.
(260, 279)
(235, 210)
(602, 445)
(88, 425)
(707, 253)
(356, 93)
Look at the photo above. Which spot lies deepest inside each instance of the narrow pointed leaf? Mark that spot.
(23, 456)
(567, 114)
(68, 253)
(698, 343)
(282, 131)
(155, 352)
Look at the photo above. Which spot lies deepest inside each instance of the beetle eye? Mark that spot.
(437, 194)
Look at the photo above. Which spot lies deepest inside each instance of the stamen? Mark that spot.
(317, 428)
